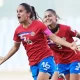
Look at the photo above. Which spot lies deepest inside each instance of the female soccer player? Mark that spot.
(32, 35)
(68, 61)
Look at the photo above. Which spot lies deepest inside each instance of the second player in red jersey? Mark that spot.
(68, 60)
(65, 54)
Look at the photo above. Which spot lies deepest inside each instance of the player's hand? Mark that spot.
(74, 46)
(47, 23)
(1, 60)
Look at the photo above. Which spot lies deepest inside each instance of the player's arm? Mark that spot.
(60, 41)
(12, 51)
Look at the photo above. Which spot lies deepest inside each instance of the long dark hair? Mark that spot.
(54, 12)
(30, 9)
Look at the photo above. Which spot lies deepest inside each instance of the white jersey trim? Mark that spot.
(17, 42)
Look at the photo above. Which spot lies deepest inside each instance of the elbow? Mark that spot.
(15, 49)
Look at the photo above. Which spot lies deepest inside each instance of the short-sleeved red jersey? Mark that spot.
(34, 41)
(64, 54)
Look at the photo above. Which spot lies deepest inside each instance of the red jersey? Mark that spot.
(34, 41)
(64, 54)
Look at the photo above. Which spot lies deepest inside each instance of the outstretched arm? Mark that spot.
(60, 41)
(12, 51)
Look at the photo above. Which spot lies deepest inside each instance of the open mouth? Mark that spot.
(19, 17)
(49, 21)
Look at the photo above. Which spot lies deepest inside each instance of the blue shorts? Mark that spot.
(47, 65)
(56, 68)
(71, 68)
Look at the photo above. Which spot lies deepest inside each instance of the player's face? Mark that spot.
(22, 14)
(49, 18)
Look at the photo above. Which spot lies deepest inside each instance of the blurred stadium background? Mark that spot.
(17, 68)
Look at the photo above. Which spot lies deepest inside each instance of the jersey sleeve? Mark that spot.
(72, 32)
(48, 32)
(43, 27)
(16, 37)
(45, 30)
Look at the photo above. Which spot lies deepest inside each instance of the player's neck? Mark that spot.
(55, 29)
(26, 24)
(52, 26)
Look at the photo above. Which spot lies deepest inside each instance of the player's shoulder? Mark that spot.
(18, 27)
(38, 22)
(64, 26)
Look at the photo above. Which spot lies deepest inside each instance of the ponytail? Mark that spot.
(33, 13)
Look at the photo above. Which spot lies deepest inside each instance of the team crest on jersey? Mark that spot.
(25, 38)
(32, 33)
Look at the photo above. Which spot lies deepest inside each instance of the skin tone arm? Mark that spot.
(60, 41)
(12, 51)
